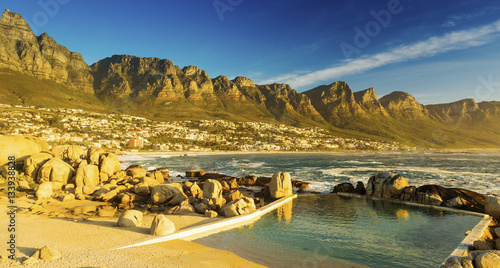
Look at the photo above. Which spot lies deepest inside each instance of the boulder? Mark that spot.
(345, 187)
(212, 189)
(482, 245)
(487, 260)
(167, 193)
(87, 175)
(149, 181)
(19, 146)
(130, 218)
(409, 194)
(108, 197)
(93, 155)
(280, 185)
(386, 185)
(33, 163)
(247, 181)
(56, 171)
(157, 176)
(89, 190)
(429, 194)
(201, 208)
(492, 206)
(60, 151)
(185, 209)
(453, 197)
(161, 226)
(211, 214)
(165, 172)
(137, 172)
(238, 207)
(452, 262)
(467, 262)
(45, 190)
(110, 164)
(141, 189)
(75, 153)
(235, 195)
(68, 198)
(48, 254)
(191, 188)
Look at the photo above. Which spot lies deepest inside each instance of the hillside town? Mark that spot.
(120, 131)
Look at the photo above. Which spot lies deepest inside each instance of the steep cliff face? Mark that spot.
(491, 108)
(461, 110)
(369, 102)
(335, 102)
(41, 56)
(402, 105)
(124, 77)
(281, 99)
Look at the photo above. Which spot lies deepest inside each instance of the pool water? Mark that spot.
(333, 231)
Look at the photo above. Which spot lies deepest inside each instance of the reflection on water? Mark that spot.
(285, 212)
(343, 232)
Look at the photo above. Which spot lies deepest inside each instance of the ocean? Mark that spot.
(476, 171)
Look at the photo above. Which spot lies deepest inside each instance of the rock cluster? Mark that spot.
(394, 186)
(484, 253)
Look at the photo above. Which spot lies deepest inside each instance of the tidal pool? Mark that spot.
(333, 231)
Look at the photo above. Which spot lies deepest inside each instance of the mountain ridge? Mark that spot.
(159, 89)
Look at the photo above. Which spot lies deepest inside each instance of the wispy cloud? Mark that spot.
(453, 20)
(455, 40)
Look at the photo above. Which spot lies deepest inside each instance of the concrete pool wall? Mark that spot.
(215, 227)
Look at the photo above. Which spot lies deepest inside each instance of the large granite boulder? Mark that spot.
(110, 164)
(93, 155)
(130, 218)
(451, 197)
(136, 172)
(386, 185)
(21, 147)
(238, 207)
(487, 260)
(45, 190)
(87, 174)
(492, 206)
(167, 193)
(34, 163)
(280, 185)
(161, 226)
(75, 154)
(212, 189)
(56, 171)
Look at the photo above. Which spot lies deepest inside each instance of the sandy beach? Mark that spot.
(89, 242)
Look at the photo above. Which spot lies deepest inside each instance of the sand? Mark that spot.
(89, 242)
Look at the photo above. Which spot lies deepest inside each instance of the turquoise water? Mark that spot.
(333, 231)
(474, 171)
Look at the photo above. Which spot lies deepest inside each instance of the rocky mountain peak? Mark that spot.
(465, 109)
(368, 100)
(41, 56)
(400, 104)
(242, 81)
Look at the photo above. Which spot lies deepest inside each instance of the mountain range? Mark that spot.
(36, 70)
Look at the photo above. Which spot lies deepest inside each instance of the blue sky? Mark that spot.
(438, 51)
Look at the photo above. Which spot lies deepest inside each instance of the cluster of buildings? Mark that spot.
(118, 131)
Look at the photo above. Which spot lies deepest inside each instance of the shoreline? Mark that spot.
(188, 153)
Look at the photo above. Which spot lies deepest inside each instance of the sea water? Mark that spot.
(474, 171)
